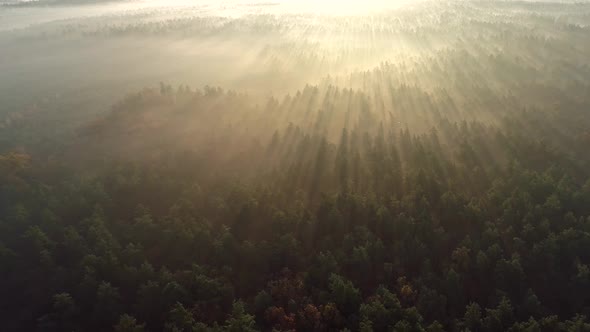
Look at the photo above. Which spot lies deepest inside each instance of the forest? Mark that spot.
(424, 168)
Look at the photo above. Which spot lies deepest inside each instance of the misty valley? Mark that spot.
(410, 165)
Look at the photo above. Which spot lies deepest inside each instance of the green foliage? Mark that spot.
(128, 324)
(239, 321)
(344, 294)
(180, 319)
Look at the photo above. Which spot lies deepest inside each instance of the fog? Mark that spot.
(72, 60)
(294, 165)
(109, 47)
(23, 13)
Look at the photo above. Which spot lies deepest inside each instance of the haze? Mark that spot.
(294, 165)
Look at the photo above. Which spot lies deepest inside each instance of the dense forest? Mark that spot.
(444, 191)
